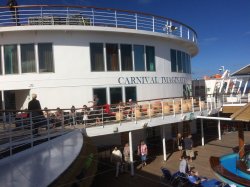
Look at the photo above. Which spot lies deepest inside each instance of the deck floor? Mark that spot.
(150, 175)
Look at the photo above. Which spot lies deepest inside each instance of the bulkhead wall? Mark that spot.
(72, 81)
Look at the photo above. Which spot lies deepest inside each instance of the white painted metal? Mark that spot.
(131, 155)
(219, 130)
(50, 159)
(164, 143)
(202, 133)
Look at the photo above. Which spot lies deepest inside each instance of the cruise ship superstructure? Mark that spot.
(139, 66)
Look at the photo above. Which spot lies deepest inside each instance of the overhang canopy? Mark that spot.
(243, 71)
(242, 114)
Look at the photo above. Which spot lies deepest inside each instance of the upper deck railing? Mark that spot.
(18, 128)
(92, 16)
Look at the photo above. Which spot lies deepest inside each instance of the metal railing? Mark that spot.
(20, 130)
(93, 16)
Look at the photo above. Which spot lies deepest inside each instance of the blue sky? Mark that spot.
(223, 27)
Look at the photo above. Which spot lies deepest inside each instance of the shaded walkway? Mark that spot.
(150, 175)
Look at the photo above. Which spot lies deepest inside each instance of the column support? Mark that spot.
(131, 154)
(219, 130)
(202, 133)
(164, 143)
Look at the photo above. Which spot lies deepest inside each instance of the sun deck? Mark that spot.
(150, 175)
(59, 15)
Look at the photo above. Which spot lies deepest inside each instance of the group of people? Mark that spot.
(122, 160)
(185, 146)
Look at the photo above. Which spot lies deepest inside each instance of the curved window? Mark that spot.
(126, 57)
(112, 57)
(150, 58)
(28, 62)
(115, 95)
(10, 59)
(45, 55)
(139, 58)
(180, 61)
(96, 56)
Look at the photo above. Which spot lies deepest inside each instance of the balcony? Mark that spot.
(83, 16)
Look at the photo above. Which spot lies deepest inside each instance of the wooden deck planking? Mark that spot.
(150, 175)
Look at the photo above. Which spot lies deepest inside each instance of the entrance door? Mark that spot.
(10, 100)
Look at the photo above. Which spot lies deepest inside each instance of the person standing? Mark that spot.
(72, 115)
(188, 143)
(183, 167)
(126, 153)
(116, 158)
(14, 11)
(35, 110)
(180, 144)
(143, 153)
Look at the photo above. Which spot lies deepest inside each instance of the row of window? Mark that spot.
(26, 58)
(30, 58)
(123, 57)
(180, 62)
(115, 94)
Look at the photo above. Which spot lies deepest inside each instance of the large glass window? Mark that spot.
(96, 57)
(115, 95)
(139, 58)
(112, 57)
(173, 61)
(189, 64)
(126, 57)
(130, 93)
(10, 59)
(45, 55)
(179, 61)
(150, 58)
(28, 62)
(184, 62)
(101, 94)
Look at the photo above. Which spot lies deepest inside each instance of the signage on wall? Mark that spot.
(153, 80)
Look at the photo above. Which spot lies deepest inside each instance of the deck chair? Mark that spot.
(181, 180)
(166, 174)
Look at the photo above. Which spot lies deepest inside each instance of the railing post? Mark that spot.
(181, 31)
(62, 124)
(207, 105)
(10, 134)
(48, 129)
(149, 111)
(120, 115)
(162, 106)
(153, 24)
(188, 34)
(136, 21)
(174, 107)
(200, 103)
(102, 118)
(31, 128)
(93, 17)
(115, 19)
(41, 12)
(67, 18)
(192, 100)
(181, 106)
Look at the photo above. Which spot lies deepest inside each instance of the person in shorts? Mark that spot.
(188, 144)
(180, 144)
